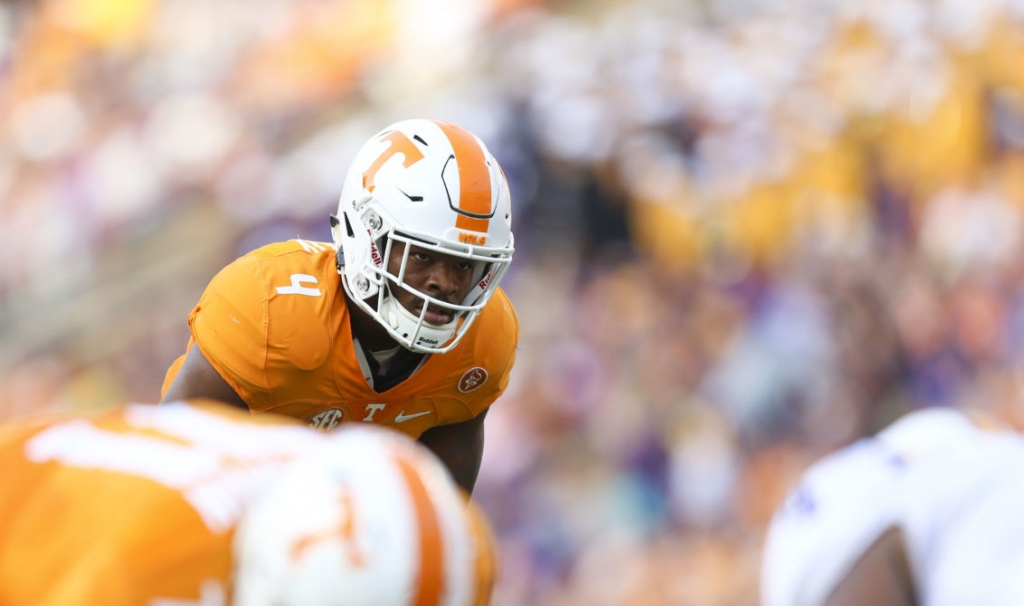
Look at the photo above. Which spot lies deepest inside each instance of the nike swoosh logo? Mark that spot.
(402, 417)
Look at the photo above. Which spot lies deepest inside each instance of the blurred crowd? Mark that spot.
(748, 232)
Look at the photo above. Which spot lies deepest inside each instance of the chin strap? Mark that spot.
(339, 253)
(339, 260)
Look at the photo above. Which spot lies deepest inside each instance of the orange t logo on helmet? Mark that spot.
(400, 144)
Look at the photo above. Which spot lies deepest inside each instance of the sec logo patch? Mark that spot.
(472, 379)
(326, 420)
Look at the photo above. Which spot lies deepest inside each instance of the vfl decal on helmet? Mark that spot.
(472, 379)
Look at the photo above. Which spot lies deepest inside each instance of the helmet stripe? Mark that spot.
(474, 178)
(430, 583)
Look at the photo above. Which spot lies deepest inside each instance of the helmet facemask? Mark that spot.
(374, 288)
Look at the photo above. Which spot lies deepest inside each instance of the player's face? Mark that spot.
(435, 274)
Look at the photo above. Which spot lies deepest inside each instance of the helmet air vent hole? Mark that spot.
(411, 197)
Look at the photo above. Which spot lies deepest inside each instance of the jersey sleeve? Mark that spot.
(230, 326)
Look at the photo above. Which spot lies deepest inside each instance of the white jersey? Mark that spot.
(963, 523)
(955, 491)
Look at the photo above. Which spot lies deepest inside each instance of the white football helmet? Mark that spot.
(436, 186)
(370, 519)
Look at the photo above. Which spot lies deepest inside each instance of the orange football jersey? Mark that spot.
(275, 325)
(133, 507)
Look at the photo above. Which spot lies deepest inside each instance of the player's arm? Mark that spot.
(460, 446)
(199, 379)
(881, 577)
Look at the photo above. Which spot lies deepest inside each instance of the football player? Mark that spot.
(927, 512)
(416, 334)
(200, 503)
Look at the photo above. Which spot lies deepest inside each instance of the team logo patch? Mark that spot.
(326, 420)
(472, 379)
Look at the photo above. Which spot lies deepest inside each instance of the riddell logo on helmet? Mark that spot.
(487, 279)
(426, 341)
(375, 255)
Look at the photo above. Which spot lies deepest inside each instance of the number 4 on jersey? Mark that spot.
(297, 288)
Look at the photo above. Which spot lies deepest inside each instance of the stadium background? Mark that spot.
(747, 231)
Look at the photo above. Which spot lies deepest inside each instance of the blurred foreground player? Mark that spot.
(928, 512)
(200, 503)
